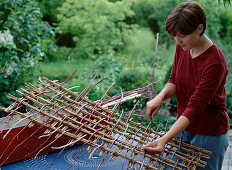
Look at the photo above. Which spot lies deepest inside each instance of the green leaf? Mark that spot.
(20, 50)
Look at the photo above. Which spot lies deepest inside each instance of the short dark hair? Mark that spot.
(185, 18)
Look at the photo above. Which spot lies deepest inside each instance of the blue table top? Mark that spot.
(67, 160)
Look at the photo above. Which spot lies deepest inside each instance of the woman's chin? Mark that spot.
(185, 47)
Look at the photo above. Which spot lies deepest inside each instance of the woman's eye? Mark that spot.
(182, 36)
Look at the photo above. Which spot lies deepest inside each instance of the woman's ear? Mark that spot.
(200, 28)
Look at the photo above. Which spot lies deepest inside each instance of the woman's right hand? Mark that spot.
(153, 106)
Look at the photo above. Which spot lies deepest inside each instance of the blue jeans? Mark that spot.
(216, 144)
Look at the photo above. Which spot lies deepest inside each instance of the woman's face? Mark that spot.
(189, 41)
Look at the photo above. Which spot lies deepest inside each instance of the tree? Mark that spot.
(96, 26)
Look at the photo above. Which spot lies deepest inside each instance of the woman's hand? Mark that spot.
(156, 146)
(153, 106)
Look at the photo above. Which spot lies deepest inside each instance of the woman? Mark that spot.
(198, 80)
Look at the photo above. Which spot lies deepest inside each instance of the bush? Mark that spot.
(142, 9)
(24, 40)
(134, 78)
(97, 27)
(225, 19)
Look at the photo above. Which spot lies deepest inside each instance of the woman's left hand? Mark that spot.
(156, 146)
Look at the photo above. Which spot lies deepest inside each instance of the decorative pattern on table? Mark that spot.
(65, 112)
(36, 163)
(84, 161)
(68, 159)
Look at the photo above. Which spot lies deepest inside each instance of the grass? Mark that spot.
(63, 69)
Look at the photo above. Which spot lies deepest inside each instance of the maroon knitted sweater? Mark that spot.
(200, 90)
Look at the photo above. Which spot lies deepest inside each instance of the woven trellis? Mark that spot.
(65, 112)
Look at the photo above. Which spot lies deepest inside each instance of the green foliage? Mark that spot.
(225, 19)
(226, 2)
(139, 49)
(142, 9)
(63, 54)
(106, 66)
(24, 40)
(226, 48)
(49, 10)
(156, 19)
(213, 21)
(134, 78)
(139, 56)
(97, 27)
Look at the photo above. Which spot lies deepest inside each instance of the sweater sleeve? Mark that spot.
(212, 77)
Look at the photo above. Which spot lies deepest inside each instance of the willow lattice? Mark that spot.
(65, 112)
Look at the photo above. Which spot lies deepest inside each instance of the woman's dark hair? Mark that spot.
(185, 19)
